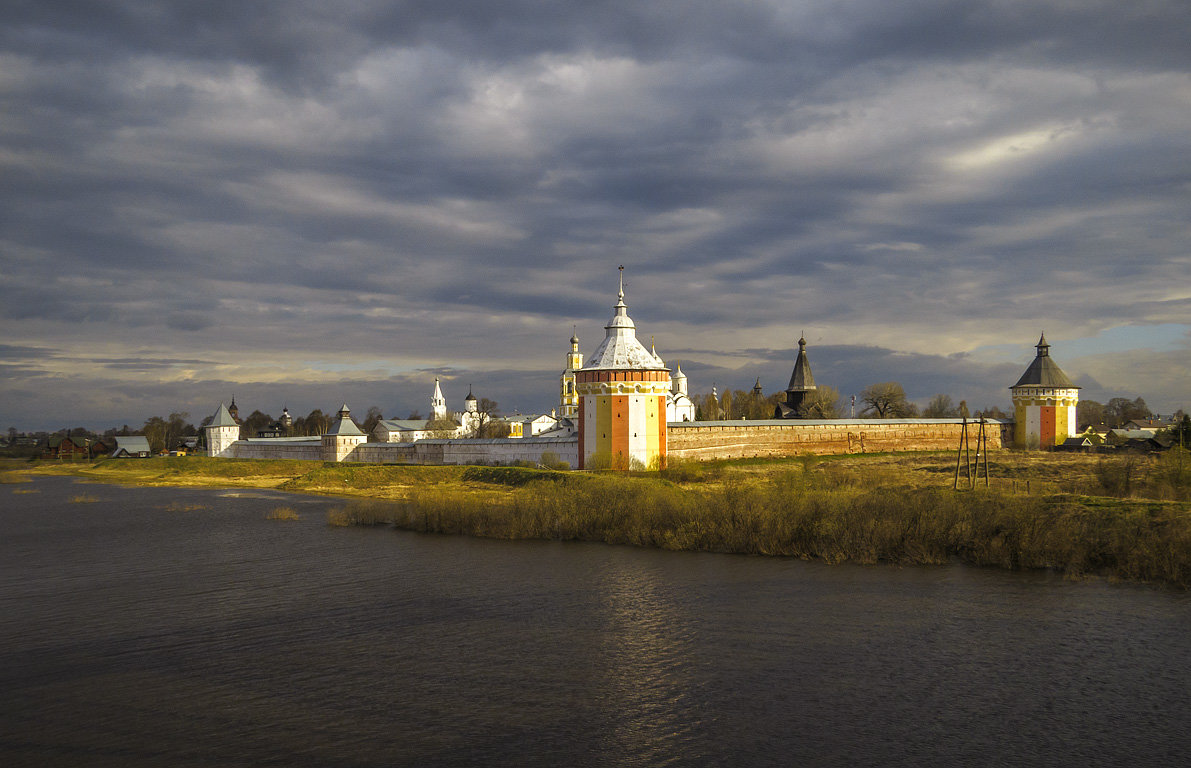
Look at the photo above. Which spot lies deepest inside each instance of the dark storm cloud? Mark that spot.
(294, 186)
(17, 352)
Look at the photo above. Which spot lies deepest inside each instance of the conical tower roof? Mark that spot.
(344, 424)
(223, 418)
(1044, 371)
(801, 379)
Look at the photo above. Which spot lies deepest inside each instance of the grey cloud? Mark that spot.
(453, 183)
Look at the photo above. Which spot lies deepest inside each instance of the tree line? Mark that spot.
(1111, 415)
(882, 400)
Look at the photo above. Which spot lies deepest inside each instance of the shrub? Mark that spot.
(367, 512)
(282, 513)
(1117, 476)
(551, 460)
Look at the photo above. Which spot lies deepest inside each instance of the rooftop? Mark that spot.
(1044, 371)
(620, 348)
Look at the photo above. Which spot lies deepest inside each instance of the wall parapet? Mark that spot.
(705, 440)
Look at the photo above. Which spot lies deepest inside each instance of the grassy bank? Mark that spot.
(168, 471)
(1122, 517)
(811, 515)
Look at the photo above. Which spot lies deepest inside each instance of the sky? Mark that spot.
(306, 203)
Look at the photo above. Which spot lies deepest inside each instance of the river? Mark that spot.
(177, 627)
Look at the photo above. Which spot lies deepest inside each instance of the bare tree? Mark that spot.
(442, 428)
(493, 428)
(154, 430)
(316, 423)
(886, 400)
(941, 407)
(372, 418)
(822, 402)
(1121, 409)
(485, 426)
(255, 422)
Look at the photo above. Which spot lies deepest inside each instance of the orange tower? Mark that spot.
(622, 399)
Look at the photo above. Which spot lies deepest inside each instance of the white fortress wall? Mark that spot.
(309, 449)
(499, 450)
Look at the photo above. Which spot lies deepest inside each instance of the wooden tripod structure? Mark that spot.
(963, 455)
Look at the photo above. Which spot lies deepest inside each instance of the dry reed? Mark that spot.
(835, 516)
(282, 513)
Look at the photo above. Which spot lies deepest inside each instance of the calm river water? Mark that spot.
(167, 627)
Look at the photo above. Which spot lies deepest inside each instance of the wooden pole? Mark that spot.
(968, 456)
(984, 439)
(959, 453)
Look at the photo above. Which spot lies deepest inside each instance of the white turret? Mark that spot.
(222, 432)
(342, 438)
(438, 403)
(678, 380)
(679, 406)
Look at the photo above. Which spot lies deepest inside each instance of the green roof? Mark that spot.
(223, 418)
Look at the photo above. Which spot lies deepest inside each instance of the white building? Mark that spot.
(679, 406)
(221, 432)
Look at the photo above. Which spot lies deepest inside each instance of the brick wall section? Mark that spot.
(703, 440)
(699, 440)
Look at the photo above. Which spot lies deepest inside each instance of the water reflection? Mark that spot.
(647, 655)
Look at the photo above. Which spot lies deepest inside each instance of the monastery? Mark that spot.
(625, 408)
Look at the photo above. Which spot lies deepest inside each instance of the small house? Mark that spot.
(67, 447)
(132, 447)
(1080, 443)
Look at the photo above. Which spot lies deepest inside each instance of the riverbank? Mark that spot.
(1119, 517)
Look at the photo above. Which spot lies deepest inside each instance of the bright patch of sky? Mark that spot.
(1166, 337)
